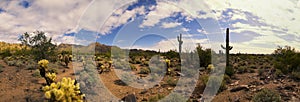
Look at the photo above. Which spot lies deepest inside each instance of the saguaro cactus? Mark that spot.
(227, 48)
(180, 42)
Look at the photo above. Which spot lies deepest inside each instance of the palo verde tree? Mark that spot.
(41, 46)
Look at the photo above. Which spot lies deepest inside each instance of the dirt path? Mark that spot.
(19, 86)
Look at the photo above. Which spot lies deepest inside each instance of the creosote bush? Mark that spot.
(266, 95)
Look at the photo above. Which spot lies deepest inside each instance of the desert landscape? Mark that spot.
(248, 77)
(149, 51)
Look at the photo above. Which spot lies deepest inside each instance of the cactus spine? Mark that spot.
(227, 48)
(180, 42)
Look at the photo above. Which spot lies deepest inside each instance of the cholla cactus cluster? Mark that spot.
(168, 62)
(11, 47)
(51, 77)
(43, 68)
(65, 91)
(210, 67)
(43, 63)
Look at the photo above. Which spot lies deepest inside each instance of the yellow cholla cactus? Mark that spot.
(210, 67)
(168, 62)
(102, 67)
(64, 91)
(51, 76)
(43, 63)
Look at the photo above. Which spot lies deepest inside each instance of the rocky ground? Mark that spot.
(252, 75)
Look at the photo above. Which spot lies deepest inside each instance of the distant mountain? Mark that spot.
(97, 47)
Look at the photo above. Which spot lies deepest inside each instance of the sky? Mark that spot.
(256, 26)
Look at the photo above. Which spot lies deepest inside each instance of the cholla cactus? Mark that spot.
(43, 63)
(50, 78)
(43, 68)
(210, 67)
(110, 64)
(65, 91)
(168, 62)
(70, 57)
(60, 57)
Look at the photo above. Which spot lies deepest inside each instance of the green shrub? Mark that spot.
(31, 66)
(296, 75)
(266, 95)
(251, 70)
(278, 73)
(156, 98)
(11, 63)
(226, 78)
(19, 63)
(171, 82)
(253, 67)
(132, 67)
(175, 97)
(286, 59)
(36, 73)
(229, 71)
(53, 70)
(260, 72)
(242, 70)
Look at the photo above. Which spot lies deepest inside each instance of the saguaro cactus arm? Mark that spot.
(230, 47)
(223, 47)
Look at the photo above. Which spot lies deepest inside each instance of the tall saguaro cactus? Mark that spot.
(227, 48)
(180, 42)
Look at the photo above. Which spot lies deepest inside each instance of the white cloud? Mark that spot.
(201, 31)
(54, 17)
(162, 10)
(170, 24)
(185, 29)
(121, 18)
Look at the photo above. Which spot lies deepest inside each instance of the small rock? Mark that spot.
(235, 83)
(144, 91)
(275, 82)
(169, 88)
(239, 88)
(180, 74)
(161, 90)
(144, 99)
(158, 85)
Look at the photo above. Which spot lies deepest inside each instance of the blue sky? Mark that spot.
(148, 24)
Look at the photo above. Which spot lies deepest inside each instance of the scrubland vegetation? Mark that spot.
(45, 71)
